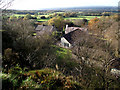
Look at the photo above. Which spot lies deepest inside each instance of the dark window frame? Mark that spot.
(66, 45)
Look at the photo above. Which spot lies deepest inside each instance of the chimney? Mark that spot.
(66, 29)
(66, 26)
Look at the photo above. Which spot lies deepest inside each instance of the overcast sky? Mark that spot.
(41, 4)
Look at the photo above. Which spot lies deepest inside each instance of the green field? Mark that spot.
(82, 17)
(73, 18)
(46, 15)
(21, 15)
(42, 20)
(69, 18)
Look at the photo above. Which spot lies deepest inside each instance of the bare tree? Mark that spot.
(4, 4)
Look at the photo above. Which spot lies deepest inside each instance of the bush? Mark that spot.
(38, 79)
(43, 17)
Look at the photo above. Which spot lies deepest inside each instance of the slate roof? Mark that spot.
(44, 28)
(75, 35)
(70, 29)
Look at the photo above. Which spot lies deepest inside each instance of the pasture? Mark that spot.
(22, 15)
(42, 20)
(82, 17)
(69, 18)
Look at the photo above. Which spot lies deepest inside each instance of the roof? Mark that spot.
(75, 35)
(44, 28)
(70, 29)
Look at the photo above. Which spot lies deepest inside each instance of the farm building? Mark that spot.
(70, 29)
(41, 29)
(72, 34)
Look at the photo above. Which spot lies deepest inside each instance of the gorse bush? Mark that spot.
(37, 79)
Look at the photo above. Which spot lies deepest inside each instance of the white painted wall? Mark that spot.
(63, 40)
(115, 71)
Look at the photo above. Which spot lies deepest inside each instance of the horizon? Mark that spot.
(80, 7)
(59, 4)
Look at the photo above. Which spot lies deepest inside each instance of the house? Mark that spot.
(41, 29)
(115, 66)
(70, 29)
(115, 71)
(72, 35)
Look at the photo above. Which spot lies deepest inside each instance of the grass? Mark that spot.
(43, 15)
(62, 52)
(64, 57)
(2, 30)
(46, 70)
(34, 34)
(82, 17)
(43, 20)
(19, 15)
(22, 15)
(72, 18)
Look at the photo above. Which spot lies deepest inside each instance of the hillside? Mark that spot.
(86, 57)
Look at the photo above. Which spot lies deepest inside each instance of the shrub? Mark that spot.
(38, 79)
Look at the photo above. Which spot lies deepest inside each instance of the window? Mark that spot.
(66, 45)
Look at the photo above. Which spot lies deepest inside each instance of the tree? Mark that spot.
(27, 16)
(4, 4)
(79, 22)
(50, 16)
(33, 52)
(66, 14)
(36, 14)
(12, 18)
(73, 14)
(43, 17)
(111, 34)
(58, 22)
(93, 21)
(92, 25)
(115, 17)
(106, 14)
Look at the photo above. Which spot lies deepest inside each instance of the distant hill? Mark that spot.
(85, 7)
